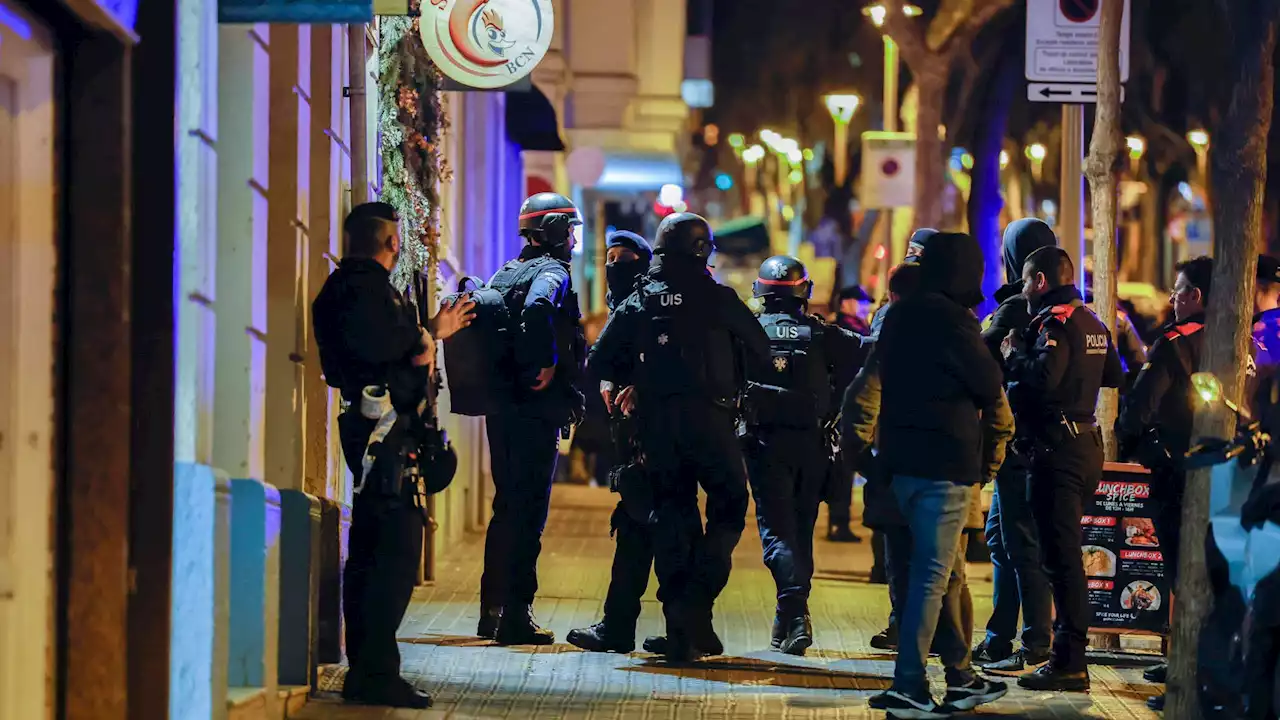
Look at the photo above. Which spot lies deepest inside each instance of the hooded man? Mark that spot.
(942, 391)
(1019, 581)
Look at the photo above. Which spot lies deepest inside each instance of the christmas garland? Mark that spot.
(411, 126)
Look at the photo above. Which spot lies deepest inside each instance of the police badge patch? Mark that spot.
(779, 364)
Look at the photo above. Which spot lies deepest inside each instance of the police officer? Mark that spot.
(1155, 423)
(788, 411)
(369, 339)
(1055, 371)
(524, 435)
(627, 259)
(681, 339)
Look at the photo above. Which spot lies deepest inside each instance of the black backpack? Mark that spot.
(479, 360)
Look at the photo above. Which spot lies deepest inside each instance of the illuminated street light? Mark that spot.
(753, 155)
(842, 106)
(1199, 140)
(1137, 146)
(879, 13)
(1004, 159)
(796, 177)
(795, 156)
(736, 141)
(1036, 153)
(785, 146)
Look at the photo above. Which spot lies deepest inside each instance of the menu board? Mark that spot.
(1127, 566)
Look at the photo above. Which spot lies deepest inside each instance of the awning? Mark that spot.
(626, 171)
(742, 237)
(531, 121)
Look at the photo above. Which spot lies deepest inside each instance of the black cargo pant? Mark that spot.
(523, 452)
(383, 556)
(1061, 476)
(632, 560)
(787, 468)
(691, 442)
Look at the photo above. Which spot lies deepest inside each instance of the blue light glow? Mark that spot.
(724, 181)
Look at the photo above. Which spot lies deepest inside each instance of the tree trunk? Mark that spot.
(985, 201)
(1099, 170)
(1239, 173)
(931, 159)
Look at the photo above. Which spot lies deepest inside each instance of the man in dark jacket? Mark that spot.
(369, 339)
(1056, 368)
(682, 341)
(939, 382)
(1018, 576)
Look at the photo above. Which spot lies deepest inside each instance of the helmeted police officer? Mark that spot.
(370, 343)
(1055, 370)
(683, 338)
(524, 435)
(787, 415)
(627, 257)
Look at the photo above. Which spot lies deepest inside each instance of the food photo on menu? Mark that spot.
(1140, 532)
(1098, 561)
(1140, 595)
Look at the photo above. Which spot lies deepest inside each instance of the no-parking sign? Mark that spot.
(888, 169)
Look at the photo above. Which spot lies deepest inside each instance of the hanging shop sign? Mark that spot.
(487, 44)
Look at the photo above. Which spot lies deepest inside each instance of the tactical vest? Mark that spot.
(796, 390)
(672, 342)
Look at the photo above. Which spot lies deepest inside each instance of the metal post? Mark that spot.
(884, 228)
(356, 69)
(598, 285)
(842, 152)
(1071, 215)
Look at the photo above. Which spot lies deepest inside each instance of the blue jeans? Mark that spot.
(936, 511)
(1019, 578)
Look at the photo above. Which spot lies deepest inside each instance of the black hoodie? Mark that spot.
(1021, 238)
(936, 373)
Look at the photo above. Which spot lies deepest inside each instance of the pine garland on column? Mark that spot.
(411, 127)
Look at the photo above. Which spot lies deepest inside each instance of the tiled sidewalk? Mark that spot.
(470, 678)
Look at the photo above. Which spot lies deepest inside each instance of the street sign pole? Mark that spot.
(1071, 212)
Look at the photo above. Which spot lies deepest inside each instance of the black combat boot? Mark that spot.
(604, 637)
(390, 692)
(517, 626)
(487, 628)
(779, 631)
(799, 635)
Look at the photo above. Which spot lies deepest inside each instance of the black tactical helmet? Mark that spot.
(684, 234)
(548, 218)
(783, 276)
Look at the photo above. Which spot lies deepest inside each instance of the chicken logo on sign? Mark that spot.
(487, 43)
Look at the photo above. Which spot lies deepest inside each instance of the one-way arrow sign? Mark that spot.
(1069, 93)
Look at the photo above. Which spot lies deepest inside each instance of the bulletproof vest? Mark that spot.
(673, 341)
(795, 390)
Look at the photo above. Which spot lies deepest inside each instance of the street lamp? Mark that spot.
(842, 106)
(1004, 159)
(753, 155)
(1036, 153)
(1137, 147)
(1199, 140)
